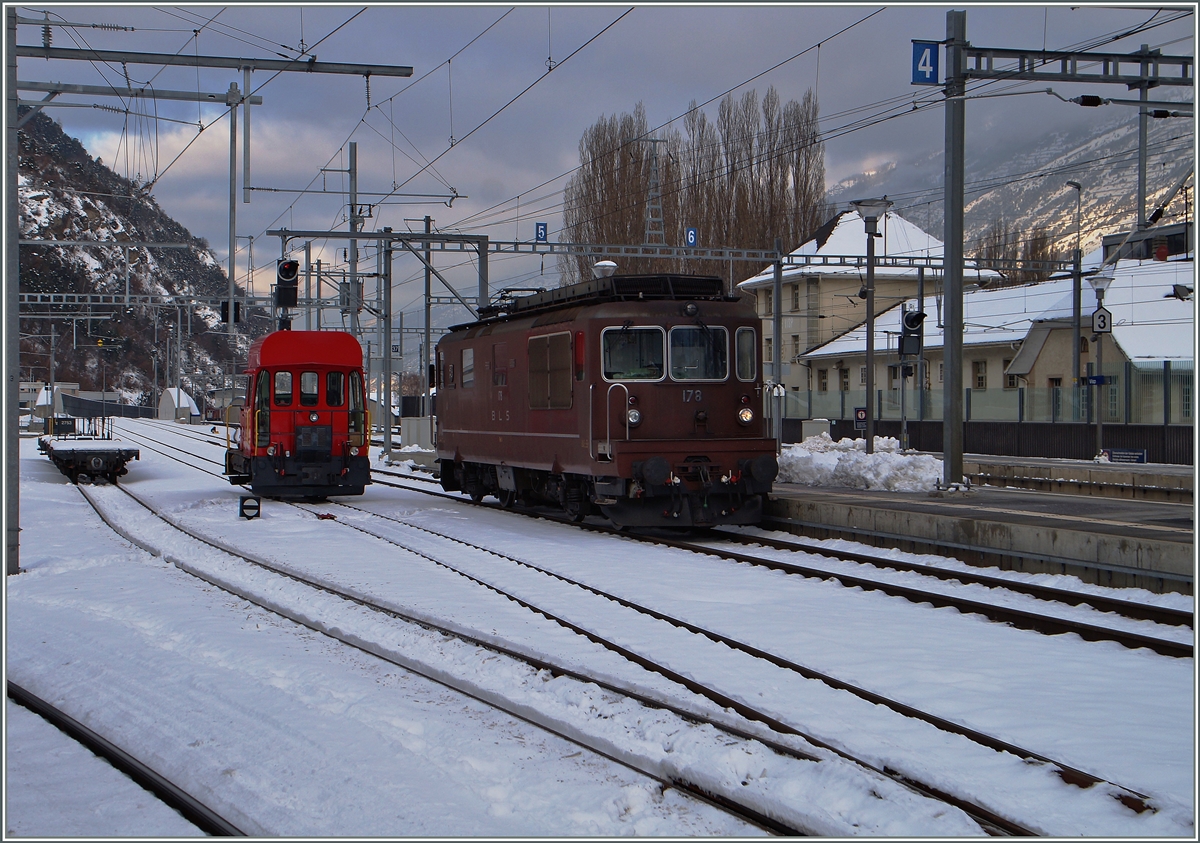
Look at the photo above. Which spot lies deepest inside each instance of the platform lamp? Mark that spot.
(1100, 281)
(871, 210)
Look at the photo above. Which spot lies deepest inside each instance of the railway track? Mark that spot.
(192, 809)
(1131, 799)
(729, 800)
(1048, 624)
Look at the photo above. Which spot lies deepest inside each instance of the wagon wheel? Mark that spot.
(476, 494)
(575, 505)
(83, 478)
(507, 497)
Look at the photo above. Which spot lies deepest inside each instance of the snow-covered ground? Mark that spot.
(289, 732)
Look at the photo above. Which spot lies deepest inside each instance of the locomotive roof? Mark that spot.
(663, 287)
(288, 348)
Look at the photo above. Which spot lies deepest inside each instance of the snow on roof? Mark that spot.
(846, 235)
(1149, 322)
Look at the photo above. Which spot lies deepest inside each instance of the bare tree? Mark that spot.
(1003, 241)
(755, 174)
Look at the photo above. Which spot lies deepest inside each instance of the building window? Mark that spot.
(1083, 345)
(1187, 400)
(767, 358)
(795, 297)
(767, 309)
(796, 348)
(893, 377)
(1010, 381)
(845, 379)
(862, 375)
(1055, 385)
(941, 372)
(979, 369)
(822, 380)
(1114, 404)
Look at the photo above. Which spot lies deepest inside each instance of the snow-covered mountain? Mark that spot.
(65, 194)
(1026, 185)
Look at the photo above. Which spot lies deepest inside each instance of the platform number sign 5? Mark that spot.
(925, 62)
(539, 232)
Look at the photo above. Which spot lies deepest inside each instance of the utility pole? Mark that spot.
(385, 247)
(352, 251)
(232, 97)
(426, 407)
(12, 341)
(952, 391)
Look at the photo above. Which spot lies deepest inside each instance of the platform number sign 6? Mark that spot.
(691, 237)
(925, 62)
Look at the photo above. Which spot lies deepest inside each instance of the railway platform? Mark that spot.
(1100, 536)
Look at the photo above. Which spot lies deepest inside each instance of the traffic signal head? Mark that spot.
(286, 292)
(911, 335)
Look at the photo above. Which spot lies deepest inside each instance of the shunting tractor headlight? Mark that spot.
(745, 415)
(354, 451)
(271, 450)
(634, 416)
(312, 417)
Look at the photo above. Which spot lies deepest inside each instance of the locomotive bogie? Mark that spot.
(304, 424)
(641, 409)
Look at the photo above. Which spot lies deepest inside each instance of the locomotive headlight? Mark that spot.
(745, 415)
(312, 417)
(634, 416)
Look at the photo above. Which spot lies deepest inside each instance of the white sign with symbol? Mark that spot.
(1101, 321)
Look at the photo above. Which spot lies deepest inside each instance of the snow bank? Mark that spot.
(819, 461)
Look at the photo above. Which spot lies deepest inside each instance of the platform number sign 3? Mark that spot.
(1101, 321)
(925, 62)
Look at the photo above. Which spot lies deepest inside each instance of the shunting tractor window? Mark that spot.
(468, 367)
(308, 389)
(283, 389)
(746, 347)
(550, 372)
(699, 353)
(335, 389)
(262, 411)
(632, 354)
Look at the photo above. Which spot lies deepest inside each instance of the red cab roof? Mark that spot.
(295, 348)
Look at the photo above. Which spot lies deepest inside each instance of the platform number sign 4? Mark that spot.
(925, 62)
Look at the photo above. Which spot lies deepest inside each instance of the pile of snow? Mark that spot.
(819, 461)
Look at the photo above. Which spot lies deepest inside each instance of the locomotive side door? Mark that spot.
(262, 410)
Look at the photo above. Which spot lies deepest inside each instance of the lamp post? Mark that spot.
(1076, 293)
(871, 210)
(1100, 282)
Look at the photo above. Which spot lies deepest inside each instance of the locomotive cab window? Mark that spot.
(746, 346)
(632, 354)
(308, 389)
(335, 393)
(283, 389)
(699, 353)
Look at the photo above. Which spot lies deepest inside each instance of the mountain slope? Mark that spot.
(65, 194)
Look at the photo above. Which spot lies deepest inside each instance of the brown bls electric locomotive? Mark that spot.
(635, 397)
(304, 422)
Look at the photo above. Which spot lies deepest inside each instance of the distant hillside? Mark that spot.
(1025, 184)
(65, 194)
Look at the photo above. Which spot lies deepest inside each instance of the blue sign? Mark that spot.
(860, 418)
(691, 237)
(1124, 454)
(540, 232)
(925, 62)
(1099, 380)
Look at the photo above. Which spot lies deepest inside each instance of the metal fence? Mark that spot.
(1136, 394)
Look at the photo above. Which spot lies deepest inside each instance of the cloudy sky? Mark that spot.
(480, 63)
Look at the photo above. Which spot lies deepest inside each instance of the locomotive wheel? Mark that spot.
(476, 494)
(507, 498)
(575, 504)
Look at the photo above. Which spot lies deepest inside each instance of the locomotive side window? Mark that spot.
(335, 394)
(500, 364)
(468, 367)
(746, 344)
(699, 353)
(550, 372)
(308, 389)
(283, 389)
(632, 354)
